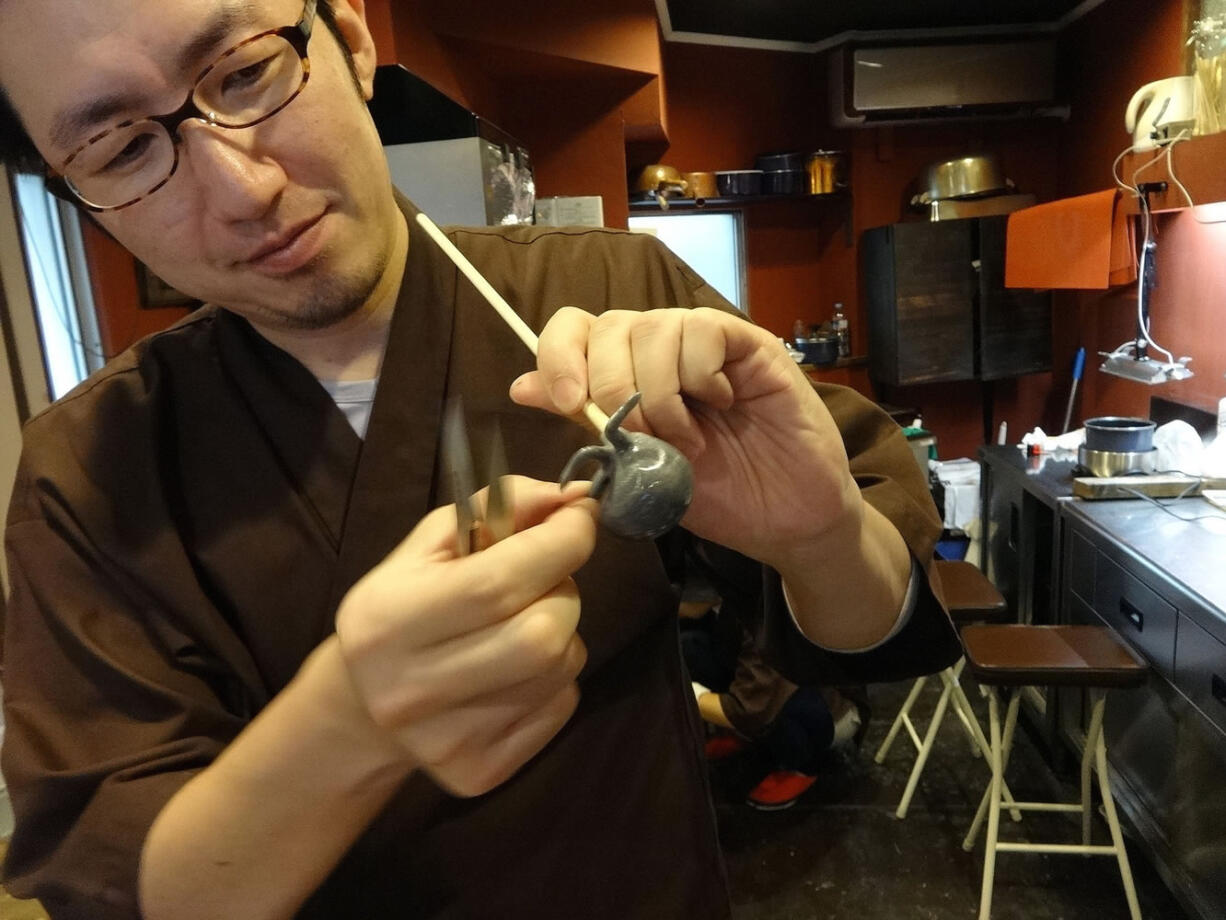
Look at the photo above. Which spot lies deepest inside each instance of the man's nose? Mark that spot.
(237, 180)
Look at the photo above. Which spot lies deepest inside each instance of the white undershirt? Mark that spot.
(354, 398)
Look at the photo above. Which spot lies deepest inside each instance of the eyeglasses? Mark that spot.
(248, 84)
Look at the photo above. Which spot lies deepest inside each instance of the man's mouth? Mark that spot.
(290, 249)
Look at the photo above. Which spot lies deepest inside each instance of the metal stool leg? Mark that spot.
(981, 744)
(1113, 821)
(926, 748)
(968, 843)
(989, 854)
(1093, 736)
(900, 718)
(962, 709)
(951, 692)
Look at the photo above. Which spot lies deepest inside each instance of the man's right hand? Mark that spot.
(471, 662)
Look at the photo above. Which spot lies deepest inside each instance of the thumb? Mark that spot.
(529, 390)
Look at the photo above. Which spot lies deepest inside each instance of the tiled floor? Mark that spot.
(841, 853)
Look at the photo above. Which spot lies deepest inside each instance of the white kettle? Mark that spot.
(1158, 111)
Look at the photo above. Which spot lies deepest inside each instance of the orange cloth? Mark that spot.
(1082, 243)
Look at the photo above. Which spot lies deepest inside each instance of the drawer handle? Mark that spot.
(1135, 616)
(1219, 689)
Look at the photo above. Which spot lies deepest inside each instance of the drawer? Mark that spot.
(1143, 618)
(1200, 670)
(1080, 574)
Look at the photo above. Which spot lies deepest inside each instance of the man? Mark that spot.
(234, 686)
(790, 729)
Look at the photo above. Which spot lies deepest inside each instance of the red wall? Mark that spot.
(584, 87)
(726, 106)
(113, 282)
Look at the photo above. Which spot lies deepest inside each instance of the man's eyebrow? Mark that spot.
(70, 126)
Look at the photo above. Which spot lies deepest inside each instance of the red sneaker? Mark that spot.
(717, 747)
(780, 790)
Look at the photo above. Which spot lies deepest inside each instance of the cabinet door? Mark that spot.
(1013, 333)
(921, 286)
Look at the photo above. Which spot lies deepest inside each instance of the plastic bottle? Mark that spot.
(1213, 461)
(842, 328)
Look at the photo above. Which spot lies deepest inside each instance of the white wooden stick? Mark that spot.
(501, 307)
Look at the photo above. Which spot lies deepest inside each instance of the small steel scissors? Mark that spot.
(476, 529)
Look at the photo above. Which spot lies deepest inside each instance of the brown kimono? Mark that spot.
(185, 522)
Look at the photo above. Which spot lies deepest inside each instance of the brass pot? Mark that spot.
(659, 178)
(663, 182)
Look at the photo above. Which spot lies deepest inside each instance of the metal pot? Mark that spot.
(965, 177)
(701, 184)
(1104, 463)
(735, 182)
(1119, 434)
(821, 349)
(827, 172)
(661, 182)
(776, 162)
(785, 182)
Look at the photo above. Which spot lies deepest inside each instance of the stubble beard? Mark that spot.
(330, 300)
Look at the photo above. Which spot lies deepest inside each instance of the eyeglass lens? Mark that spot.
(246, 85)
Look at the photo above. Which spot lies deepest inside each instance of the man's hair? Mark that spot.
(18, 152)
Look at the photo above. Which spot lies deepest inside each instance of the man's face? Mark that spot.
(289, 222)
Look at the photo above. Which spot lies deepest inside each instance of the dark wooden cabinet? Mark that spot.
(938, 309)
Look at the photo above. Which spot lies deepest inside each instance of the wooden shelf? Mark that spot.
(731, 202)
(740, 202)
(853, 361)
(1198, 165)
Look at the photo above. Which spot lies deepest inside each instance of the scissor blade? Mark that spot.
(458, 467)
(499, 509)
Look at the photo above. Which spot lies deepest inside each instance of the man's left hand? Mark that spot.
(769, 464)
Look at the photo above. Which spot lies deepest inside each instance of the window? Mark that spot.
(59, 284)
(711, 243)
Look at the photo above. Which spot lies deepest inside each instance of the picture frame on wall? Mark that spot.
(156, 294)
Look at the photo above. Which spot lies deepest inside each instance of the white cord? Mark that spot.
(1147, 222)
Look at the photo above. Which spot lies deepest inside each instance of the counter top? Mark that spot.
(1048, 476)
(1190, 554)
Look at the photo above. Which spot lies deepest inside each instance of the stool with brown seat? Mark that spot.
(970, 598)
(1043, 656)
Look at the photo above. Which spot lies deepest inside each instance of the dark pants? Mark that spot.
(804, 729)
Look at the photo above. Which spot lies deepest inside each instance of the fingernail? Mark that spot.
(566, 393)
